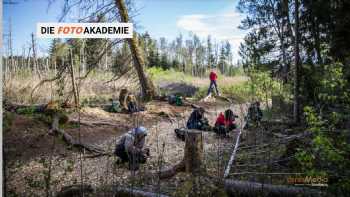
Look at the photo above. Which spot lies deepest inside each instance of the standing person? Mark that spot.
(225, 123)
(213, 77)
(130, 148)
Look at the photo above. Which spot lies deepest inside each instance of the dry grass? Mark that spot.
(18, 86)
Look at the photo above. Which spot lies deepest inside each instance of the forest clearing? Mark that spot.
(182, 115)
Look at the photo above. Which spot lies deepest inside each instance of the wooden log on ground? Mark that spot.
(93, 123)
(75, 190)
(69, 139)
(193, 151)
(245, 188)
(169, 172)
(80, 190)
(126, 192)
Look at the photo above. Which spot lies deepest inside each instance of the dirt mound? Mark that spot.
(179, 88)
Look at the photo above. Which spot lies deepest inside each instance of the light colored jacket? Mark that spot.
(130, 142)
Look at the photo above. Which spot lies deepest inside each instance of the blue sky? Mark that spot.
(161, 18)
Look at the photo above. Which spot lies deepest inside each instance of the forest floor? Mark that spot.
(30, 150)
(34, 158)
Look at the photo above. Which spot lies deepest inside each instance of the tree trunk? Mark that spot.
(74, 88)
(193, 151)
(296, 107)
(147, 86)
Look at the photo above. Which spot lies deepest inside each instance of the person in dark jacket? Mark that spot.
(213, 77)
(254, 114)
(198, 121)
(130, 147)
(225, 122)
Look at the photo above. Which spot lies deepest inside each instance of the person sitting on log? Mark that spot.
(225, 123)
(115, 106)
(198, 121)
(131, 102)
(254, 114)
(122, 97)
(175, 100)
(130, 148)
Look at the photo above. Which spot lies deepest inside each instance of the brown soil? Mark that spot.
(28, 142)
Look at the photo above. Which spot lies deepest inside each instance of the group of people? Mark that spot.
(225, 122)
(127, 102)
(130, 147)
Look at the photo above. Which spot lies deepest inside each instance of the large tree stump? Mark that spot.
(193, 151)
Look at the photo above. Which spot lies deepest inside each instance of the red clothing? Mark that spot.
(221, 120)
(213, 76)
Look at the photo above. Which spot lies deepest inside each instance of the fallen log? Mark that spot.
(75, 190)
(93, 123)
(81, 190)
(126, 192)
(245, 188)
(69, 139)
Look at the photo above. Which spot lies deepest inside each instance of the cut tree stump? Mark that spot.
(193, 151)
(193, 157)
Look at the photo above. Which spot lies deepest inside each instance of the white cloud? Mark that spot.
(221, 26)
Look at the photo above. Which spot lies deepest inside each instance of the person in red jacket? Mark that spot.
(213, 77)
(225, 123)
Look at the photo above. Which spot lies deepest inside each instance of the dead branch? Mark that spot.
(42, 82)
(104, 51)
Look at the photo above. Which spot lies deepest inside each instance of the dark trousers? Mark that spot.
(134, 159)
(132, 107)
(222, 130)
(213, 83)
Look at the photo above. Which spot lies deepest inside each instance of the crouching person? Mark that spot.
(130, 148)
(198, 121)
(225, 123)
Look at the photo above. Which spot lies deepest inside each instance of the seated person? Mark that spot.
(254, 114)
(115, 107)
(198, 121)
(131, 103)
(130, 148)
(175, 100)
(225, 122)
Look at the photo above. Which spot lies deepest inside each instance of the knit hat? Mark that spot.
(140, 130)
